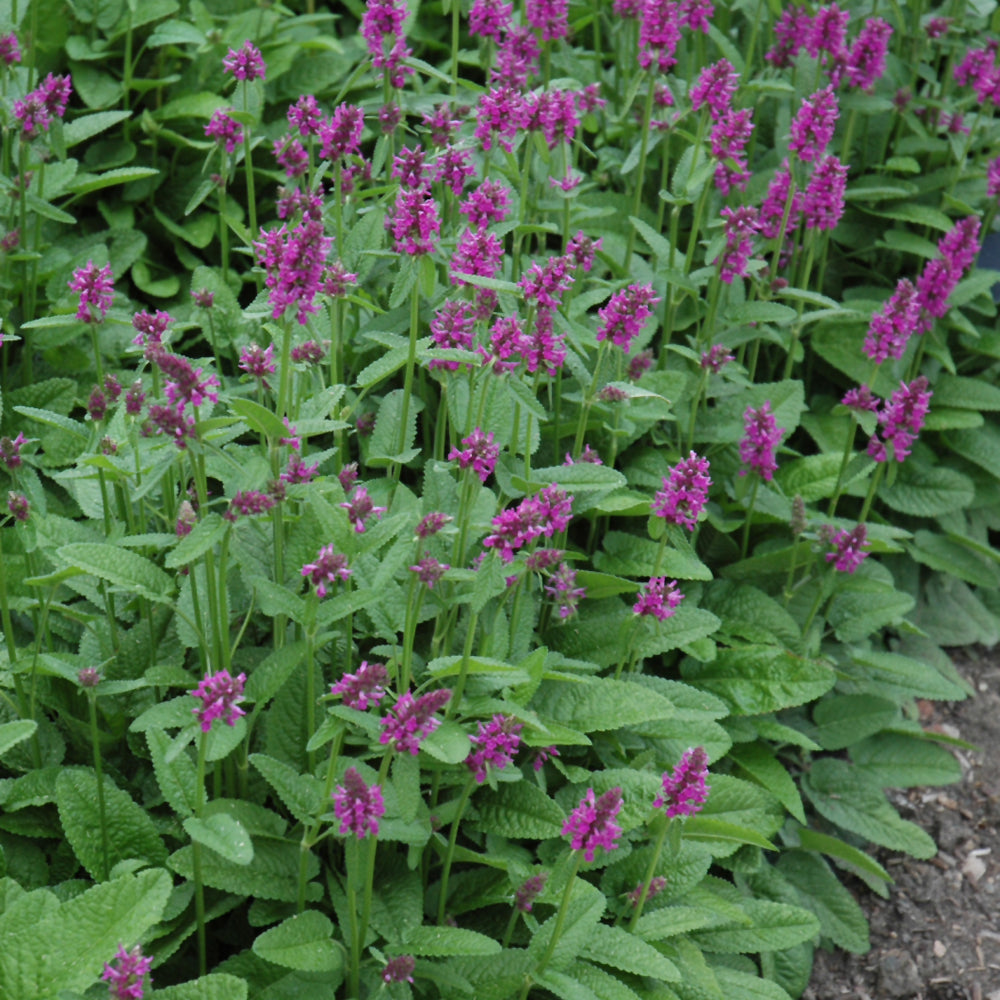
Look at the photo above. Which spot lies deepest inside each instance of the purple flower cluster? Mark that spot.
(545, 514)
(958, 248)
(528, 892)
(623, 318)
(684, 493)
(219, 694)
(382, 29)
(562, 588)
(359, 507)
(891, 328)
(979, 69)
(294, 263)
(496, 743)
(762, 435)
(248, 503)
(329, 567)
(479, 453)
(411, 720)
(245, 63)
(10, 50)
(358, 806)
(224, 130)
(414, 221)
(728, 139)
(823, 203)
(399, 969)
(715, 87)
(39, 107)
(364, 688)
(740, 226)
(658, 598)
(684, 792)
(549, 17)
(592, 824)
(659, 33)
(866, 60)
(97, 290)
(17, 504)
(900, 420)
(813, 126)
(848, 552)
(429, 570)
(128, 980)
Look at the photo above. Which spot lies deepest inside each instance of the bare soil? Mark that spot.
(937, 936)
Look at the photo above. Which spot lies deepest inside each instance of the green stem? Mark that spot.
(456, 695)
(96, 745)
(872, 489)
(747, 522)
(199, 885)
(845, 459)
(647, 114)
(650, 871)
(411, 359)
(470, 784)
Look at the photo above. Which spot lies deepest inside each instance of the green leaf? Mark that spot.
(87, 126)
(948, 556)
(840, 917)
(224, 835)
(846, 719)
(273, 874)
(583, 913)
(439, 942)
(86, 183)
(599, 704)
(12, 733)
(670, 921)
(176, 776)
(260, 418)
(270, 674)
(865, 605)
(834, 847)
(620, 949)
(747, 987)
(894, 760)
(927, 491)
(520, 810)
(657, 243)
(564, 986)
(121, 567)
(761, 312)
(302, 794)
(303, 942)
(760, 763)
(205, 535)
(708, 828)
(757, 679)
(599, 982)
(980, 446)
(965, 393)
(901, 677)
(384, 447)
(628, 555)
(130, 832)
(449, 743)
(921, 215)
(775, 926)
(214, 986)
(846, 797)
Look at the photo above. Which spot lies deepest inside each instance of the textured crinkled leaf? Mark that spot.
(223, 834)
(303, 942)
(901, 677)
(176, 776)
(846, 797)
(384, 445)
(774, 926)
(686, 626)
(750, 614)
(438, 942)
(927, 491)
(599, 704)
(834, 847)
(449, 743)
(602, 983)
(586, 907)
(724, 423)
(302, 794)
(813, 477)
(620, 949)
(272, 672)
(757, 760)
(519, 809)
(709, 831)
(119, 566)
(214, 986)
(68, 948)
(758, 679)
(565, 986)
(205, 535)
(893, 760)
(840, 917)
(130, 831)
(272, 875)
(980, 446)
(12, 733)
(952, 615)
(622, 554)
(741, 984)
(947, 556)
(844, 719)
(673, 920)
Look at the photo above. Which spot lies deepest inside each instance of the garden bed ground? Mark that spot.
(937, 937)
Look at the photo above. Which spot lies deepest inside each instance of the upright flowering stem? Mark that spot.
(248, 166)
(706, 190)
(647, 114)
(411, 359)
(95, 742)
(463, 801)
(666, 826)
(803, 282)
(746, 524)
(199, 884)
(581, 424)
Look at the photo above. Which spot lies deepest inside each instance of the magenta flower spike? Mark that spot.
(329, 567)
(18, 505)
(592, 824)
(219, 694)
(528, 892)
(399, 969)
(364, 688)
(97, 289)
(359, 508)
(684, 792)
(245, 63)
(127, 977)
(848, 552)
(684, 493)
(813, 126)
(762, 435)
(715, 88)
(479, 454)
(496, 743)
(562, 588)
(901, 420)
(411, 720)
(358, 806)
(429, 570)
(659, 599)
(224, 130)
(623, 318)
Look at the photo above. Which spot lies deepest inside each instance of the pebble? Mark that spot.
(898, 975)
